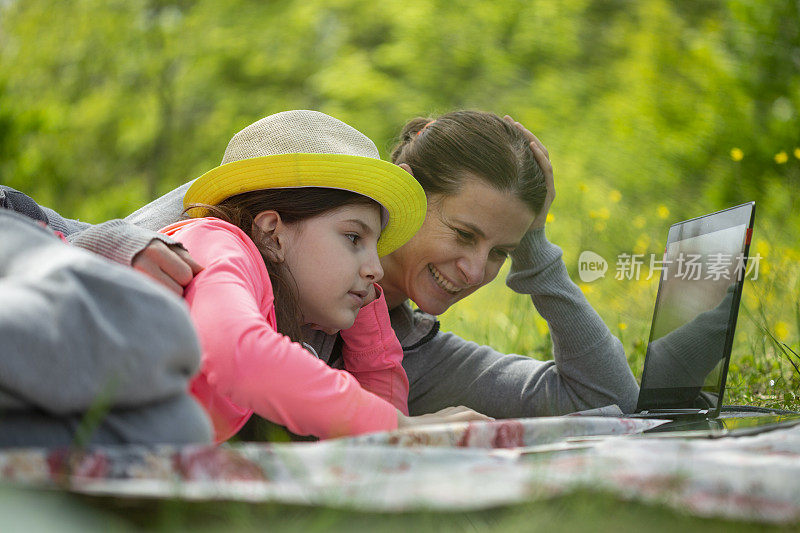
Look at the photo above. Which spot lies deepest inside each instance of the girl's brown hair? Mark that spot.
(293, 205)
(442, 152)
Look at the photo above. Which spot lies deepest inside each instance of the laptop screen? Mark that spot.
(695, 314)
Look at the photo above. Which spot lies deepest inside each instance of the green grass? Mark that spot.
(581, 511)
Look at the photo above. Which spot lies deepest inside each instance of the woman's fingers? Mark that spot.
(542, 157)
(444, 416)
(540, 153)
(469, 416)
(533, 139)
(547, 170)
(461, 413)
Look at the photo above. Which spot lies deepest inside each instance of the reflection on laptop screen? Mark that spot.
(695, 312)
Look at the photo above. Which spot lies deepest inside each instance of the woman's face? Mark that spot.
(460, 247)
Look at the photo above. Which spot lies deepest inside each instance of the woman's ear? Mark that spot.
(407, 168)
(270, 227)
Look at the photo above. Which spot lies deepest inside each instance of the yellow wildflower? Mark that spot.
(582, 187)
(781, 157)
(782, 330)
(586, 289)
(662, 211)
(797, 153)
(615, 196)
(550, 217)
(737, 154)
(622, 326)
(750, 299)
(541, 326)
(641, 244)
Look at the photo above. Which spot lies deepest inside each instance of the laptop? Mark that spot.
(702, 274)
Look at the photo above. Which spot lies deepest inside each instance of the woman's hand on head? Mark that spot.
(445, 416)
(543, 158)
(171, 266)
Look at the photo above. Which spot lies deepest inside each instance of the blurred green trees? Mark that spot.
(105, 104)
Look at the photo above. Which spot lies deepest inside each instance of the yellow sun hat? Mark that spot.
(311, 149)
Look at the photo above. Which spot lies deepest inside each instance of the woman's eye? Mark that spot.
(464, 235)
(500, 254)
(354, 237)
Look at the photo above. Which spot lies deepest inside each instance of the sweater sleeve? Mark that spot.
(162, 211)
(121, 240)
(117, 240)
(588, 370)
(246, 360)
(374, 356)
(590, 360)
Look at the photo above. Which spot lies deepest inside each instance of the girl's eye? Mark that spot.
(354, 237)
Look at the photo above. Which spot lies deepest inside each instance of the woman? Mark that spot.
(489, 186)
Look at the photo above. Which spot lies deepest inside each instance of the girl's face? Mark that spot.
(334, 260)
(460, 247)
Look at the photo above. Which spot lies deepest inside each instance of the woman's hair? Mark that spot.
(442, 152)
(293, 205)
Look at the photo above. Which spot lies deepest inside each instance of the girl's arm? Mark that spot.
(249, 363)
(374, 356)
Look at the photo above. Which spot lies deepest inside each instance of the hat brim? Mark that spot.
(392, 187)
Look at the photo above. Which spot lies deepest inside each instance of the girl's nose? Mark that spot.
(372, 269)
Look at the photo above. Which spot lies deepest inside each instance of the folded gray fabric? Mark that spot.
(80, 333)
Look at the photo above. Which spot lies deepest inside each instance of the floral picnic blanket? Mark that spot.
(450, 467)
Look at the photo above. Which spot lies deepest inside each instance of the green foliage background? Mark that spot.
(653, 111)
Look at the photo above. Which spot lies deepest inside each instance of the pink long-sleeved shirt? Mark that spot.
(249, 367)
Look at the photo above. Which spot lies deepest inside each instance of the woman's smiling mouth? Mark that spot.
(442, 282)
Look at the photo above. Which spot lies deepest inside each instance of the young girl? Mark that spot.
(303, 206)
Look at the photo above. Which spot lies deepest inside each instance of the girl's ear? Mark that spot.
(407, 168)
(271, 228)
